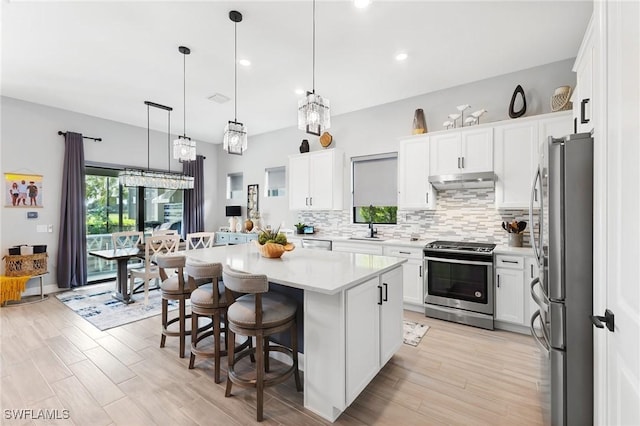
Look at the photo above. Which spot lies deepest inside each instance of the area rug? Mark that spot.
(413, 332)
(95, 304)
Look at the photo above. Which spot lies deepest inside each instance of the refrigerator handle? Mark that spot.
(540, 302)
(534, 193)
(543, 343)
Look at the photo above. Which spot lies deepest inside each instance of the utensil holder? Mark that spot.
(515, 240)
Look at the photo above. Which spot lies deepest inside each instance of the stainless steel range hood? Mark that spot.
(463, 180)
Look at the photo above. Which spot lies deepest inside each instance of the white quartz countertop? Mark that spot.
(520, 251)
(319, 271)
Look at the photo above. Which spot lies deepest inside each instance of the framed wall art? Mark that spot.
(23, 190)
(252, 200)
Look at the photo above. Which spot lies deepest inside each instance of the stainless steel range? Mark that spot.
(459, 282)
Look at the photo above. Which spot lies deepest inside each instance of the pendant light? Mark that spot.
(235, 134)
(184, 149)
(313, 110)
(151, 178)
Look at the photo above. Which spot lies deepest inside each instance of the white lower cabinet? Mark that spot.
(514, 304)
(509, 295)
(413, 273)
(373, 328)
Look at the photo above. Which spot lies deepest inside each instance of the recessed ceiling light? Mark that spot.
(401, 56)
(361, 4)
(299, 92)
(244, 62)
(219, 98)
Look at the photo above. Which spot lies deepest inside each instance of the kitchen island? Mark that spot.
(352, 314)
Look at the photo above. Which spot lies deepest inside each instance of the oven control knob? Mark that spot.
(478, 294)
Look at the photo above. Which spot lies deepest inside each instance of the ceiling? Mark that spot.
(106, 58)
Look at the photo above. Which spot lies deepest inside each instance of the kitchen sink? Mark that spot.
(367, 238)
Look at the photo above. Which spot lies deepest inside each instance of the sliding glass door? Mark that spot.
(112, 207)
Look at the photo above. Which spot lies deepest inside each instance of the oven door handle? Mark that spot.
(462, 262)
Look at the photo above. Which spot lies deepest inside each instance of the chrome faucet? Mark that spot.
(372, 230)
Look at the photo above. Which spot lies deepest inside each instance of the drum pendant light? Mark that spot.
(184, 149)
(235, 133)
(313, 110)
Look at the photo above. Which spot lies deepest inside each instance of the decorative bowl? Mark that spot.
(274, 250)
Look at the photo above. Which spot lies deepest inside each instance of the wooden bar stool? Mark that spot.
(174, 287)
(260, 314)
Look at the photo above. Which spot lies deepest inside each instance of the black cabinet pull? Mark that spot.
(608, 319)
(583, 103)
(379, 295)
(498, 284)
(404, 252)
(509, 261)
(420, 274)
(386, 292)
(532, 270)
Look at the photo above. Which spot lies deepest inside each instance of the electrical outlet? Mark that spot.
(50, 228)
(41, 228)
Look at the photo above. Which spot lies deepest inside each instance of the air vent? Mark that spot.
(219, 98)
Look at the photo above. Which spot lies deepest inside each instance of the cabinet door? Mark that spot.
(414, 189)
(362, 336)
(391, 314)
(476, 150)
(509, 296)
(516, 156)
(556, 125)
(583, 103)
(321, 180)
(299, 182)
(413, 282)
(444, 153)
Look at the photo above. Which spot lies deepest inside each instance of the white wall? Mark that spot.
(30, 144)
(376, 130)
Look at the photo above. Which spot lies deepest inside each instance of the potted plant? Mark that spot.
(300, 227)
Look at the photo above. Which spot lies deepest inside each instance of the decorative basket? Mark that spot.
(560, 101)
(274, 250)
(25, 265)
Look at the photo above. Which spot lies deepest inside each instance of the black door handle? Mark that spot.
(379, 295)
(386, 292)
(607, 319)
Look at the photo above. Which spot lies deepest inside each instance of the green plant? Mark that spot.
(299, 226)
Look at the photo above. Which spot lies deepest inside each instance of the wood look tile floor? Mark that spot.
(53, 359)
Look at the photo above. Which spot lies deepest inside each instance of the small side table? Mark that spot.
(33, 298)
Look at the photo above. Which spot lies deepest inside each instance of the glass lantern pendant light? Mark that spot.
(235, 134)
(184, 149)
(313, 110)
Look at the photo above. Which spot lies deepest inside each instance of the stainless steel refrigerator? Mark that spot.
(561, 216)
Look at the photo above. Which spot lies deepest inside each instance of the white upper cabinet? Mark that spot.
(414, 189)
(517, 146)
(462, 151)
(584, 67)
(315, 180)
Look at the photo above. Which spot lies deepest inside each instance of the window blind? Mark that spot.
(375, 180)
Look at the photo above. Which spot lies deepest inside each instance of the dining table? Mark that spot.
(121, 256)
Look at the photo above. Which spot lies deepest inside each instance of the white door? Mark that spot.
(444, 153)
(299, 182)
(413, 282)
(509, 296)
(321, 180)
(390, 314)
(617, 357)
(414, 189)
(476, 150)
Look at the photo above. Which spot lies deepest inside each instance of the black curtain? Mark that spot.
(72, 241)
(193, 209)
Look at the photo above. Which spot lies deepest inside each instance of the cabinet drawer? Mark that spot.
(407, 252)
(237, 239)
(510, 262)
(222, 237)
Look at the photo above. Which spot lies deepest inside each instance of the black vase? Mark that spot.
(304, 146)
(520, 113)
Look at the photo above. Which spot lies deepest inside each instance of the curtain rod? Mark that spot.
(61, 133)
